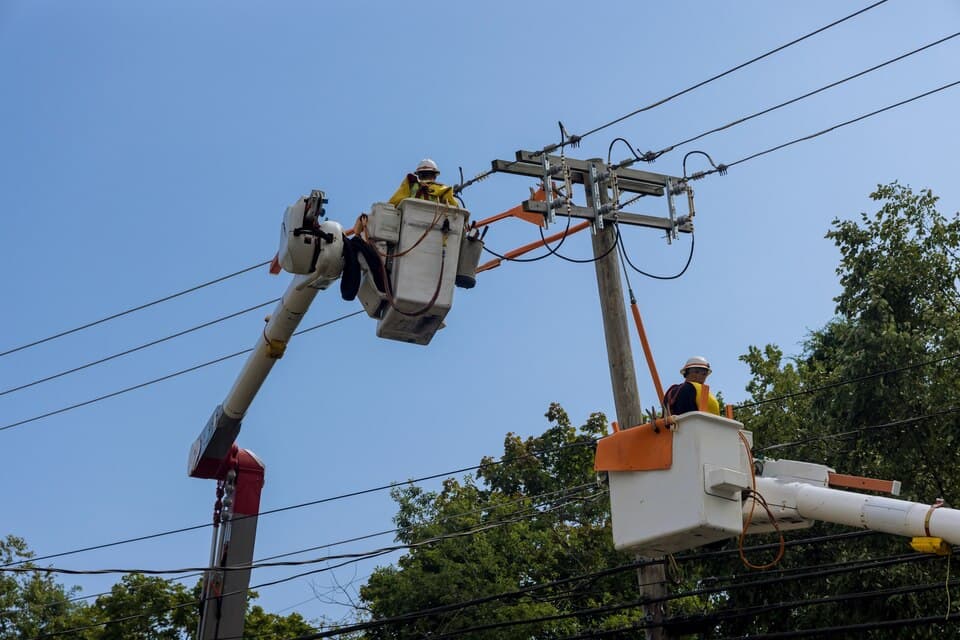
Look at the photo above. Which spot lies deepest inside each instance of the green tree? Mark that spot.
(31, 603)
(138, 607)
(898, 309)
(537, 517)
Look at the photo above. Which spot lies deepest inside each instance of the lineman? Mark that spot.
(422, 184)
(686, 396)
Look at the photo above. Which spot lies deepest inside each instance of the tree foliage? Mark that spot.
(537, 517)
(871, 394)
(138, 607)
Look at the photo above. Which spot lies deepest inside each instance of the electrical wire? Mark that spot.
(617, 607)
(653, 275)
(724, 167)
(161, 378)
(351, 558)
(845, 567)
(138, 348)
(490, 506)
(866, 626)
(731, 614)
(133, 309)
(384, 487)
(576, 139)
(650, 155)
(843, 434)
(362, 555)
(510, 595)
(839, 383)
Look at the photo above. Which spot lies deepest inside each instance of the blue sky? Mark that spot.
(149, 147)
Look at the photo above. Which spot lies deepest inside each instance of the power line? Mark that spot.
(350, 558)
(653, 155)
(138, 348)
(753, 611)
(725, 167)
(490, 506)
(874, 427)
(653, 105)
(540, 586)
(132, 309)
(866, 626)
(161, 378)
(575, 139)
(301, 505)
(643, 601)
(839, 383)
(298, 563)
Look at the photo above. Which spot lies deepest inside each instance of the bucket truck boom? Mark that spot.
(421, 244)
(679, 484)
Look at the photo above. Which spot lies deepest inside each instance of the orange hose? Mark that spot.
(646, 351)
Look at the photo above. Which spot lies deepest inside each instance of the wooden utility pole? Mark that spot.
(597, 178)
(623, 380)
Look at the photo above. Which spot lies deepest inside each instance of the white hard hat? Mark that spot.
(696, 362)
(427, 165)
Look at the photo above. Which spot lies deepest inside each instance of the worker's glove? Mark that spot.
(412, 178)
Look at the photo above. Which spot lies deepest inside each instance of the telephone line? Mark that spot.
(360, 555)
(576, 139)
(839, 383)
(133, 309)
(162, 378)
(300, 505)
(724, 167)
(538, 498)
(139, 348)
(350, 560)
(657, 154)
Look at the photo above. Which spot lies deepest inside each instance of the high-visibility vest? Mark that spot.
(710, 404)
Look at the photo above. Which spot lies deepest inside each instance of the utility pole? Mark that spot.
(597, 178)
(623, 380)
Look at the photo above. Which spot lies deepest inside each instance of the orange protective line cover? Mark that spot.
(637, 449)
(859, 482)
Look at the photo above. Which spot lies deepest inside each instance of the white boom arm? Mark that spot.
(797, 491)
(680, 487)
(312, 249)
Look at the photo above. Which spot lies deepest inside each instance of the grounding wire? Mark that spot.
(133, 309)
(162, 378)
(651, 155)
(724, 167)
(138, 348)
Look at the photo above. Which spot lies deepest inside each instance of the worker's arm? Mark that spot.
(683, 400)
(403, 191)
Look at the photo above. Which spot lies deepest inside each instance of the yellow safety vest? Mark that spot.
(712, 406)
